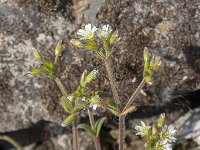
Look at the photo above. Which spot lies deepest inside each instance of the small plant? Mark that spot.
(99, 41)
(158, 137)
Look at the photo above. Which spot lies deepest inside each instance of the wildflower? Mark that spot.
(104, 33)
(168, 133)
(163, 145)
(88, 32)
(95, 102)
(94, 106)
(142, 130)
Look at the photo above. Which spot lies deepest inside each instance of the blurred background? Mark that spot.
(29, 106)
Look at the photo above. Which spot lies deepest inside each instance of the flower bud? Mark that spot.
(146, 54)
(161, 120)
(91, 76)
(35, 71)
(58, 49)
(113, 37)
(68, 120)
(76, 43)
(37, 55)
(91, 45)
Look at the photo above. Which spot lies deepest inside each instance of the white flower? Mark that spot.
(163, 145)
(94, 106)
(88, 32)
(142, 130)
(168, 133)
(104, 32)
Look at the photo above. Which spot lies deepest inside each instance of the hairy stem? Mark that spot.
(121, 132)
(117, 101)
(92, 122)
(74, 129)
(11, 141)
(74, 134)
(112, 83)
(140, 86)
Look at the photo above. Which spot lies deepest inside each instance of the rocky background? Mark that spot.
(29, 107)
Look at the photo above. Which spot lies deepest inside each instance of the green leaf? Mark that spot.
(50, 69)
(35, 71)
(114, 112)
(88, 129)
(66, 104)
(112, 104)
(68, 120)
(99, 124)
(75, 110)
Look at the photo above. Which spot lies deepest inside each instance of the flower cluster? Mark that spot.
(159, 137)
(89, 37)
(151, 64)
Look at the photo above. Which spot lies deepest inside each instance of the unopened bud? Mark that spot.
(76, 43)
(146, 54)
(113, 37)
(37, 55)
(35, 71)
(58, 49)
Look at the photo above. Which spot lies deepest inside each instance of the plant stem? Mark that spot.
(140, 86)
(74, 129)
(112, 83)
(11, 141)
(92, 122)
(121, 132)
(116, 98)
(74, 134)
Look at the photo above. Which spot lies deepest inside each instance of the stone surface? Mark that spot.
(169, 28)
(188, 126)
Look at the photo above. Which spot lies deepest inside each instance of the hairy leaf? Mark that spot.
(66, 104)
(68, 120)
(88, 129)
(99, 124)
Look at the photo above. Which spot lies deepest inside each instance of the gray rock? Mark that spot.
(188, 126)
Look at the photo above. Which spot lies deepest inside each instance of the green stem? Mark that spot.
(140, 86)
(11, 141)
(74, 129)
(92, 122)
